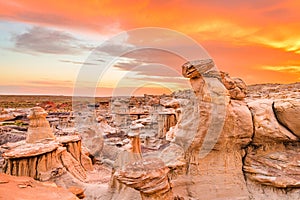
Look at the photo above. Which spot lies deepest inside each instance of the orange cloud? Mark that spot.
(242, 36)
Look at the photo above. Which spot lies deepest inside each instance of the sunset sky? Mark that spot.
(43, 44)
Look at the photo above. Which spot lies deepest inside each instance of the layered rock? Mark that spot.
(213, 129)
(165, 122)
(236, 86)
(273, 91)
(39, 128)
(274, 165)
(73, 146)
(42, 156)
(39, 161)
(272, 159)
(149, 176)
(224, 145)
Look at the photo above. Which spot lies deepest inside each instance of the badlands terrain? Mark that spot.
(219, 140)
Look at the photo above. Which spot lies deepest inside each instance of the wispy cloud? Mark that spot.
(290, 69)
(78, 62)
(44, 40)
(50, 82)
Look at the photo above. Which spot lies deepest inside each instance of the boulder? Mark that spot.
(267, 128)
(287, 112)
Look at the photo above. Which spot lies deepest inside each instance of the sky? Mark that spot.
(47, 47)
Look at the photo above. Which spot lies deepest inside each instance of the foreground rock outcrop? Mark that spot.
(213, 136)
(26, 188)
(272, 159)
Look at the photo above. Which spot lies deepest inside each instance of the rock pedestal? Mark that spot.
(43, 156)
(134, 136)
(39, 161)
(211, 134)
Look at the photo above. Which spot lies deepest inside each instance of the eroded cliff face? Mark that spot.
(272, 163)
(225, 145)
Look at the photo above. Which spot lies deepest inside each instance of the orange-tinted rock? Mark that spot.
(79, 192)
(26, 188)
(236, 86)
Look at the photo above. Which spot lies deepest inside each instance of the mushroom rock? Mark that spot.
(43, 157)
(212, 132)
(39, 128)
(209, 109)
(128, 156)
(39, 161)
(149, 176)
(196, 68)
(103, 125)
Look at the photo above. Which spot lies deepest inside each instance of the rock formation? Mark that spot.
(134, 135)
(225, 146)
(272, 159)
(149, 176)
(44, 157)
(86, 125)
(39, 128)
